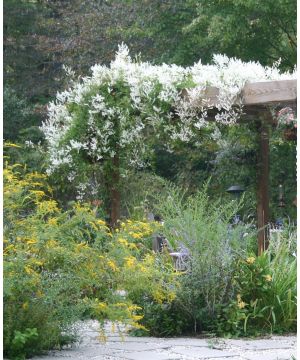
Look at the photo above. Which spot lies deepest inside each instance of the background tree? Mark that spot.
(254, 30)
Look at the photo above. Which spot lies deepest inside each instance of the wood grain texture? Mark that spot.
(269, 92)
(258, 93)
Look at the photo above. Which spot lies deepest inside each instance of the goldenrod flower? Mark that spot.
(112, 265)
(120, 304)
(134, 307)
(39, 294)
(123, 241)
(136, 235)
(101, 222)
(268, 278)
(31, 241)
(25, 306)
(241, 304)
(250, 260)
(130, 261)
(132, 246)
(52, 221)
(8, 144)
(136, 317)
(28, 270)
(101, 306)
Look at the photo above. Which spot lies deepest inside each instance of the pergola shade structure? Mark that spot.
(257, 99)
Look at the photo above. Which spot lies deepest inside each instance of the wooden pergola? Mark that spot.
(257, 98)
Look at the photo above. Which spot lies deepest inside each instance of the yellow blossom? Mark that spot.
(158, 296)
(93, 226)
(130, 261)
(101, 222)
(31, 241)
(142, 268)
(101, 306)
(36, 262)
(250, 260)
(9, 248)
(123, 241)
(120, 304)
(52, 221)
(139, 326)
(171, 296)
(38, 193)
(8, 144)
(25, 306)
(47, 207)
(112, 265)
(29, 270)
(241, 304)
(137, 235)
(268, 278)
(82, 245)
(136, 317)
(134, 307)
(39, 294)
(51, 244)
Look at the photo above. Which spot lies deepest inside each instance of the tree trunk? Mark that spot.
(115, 196)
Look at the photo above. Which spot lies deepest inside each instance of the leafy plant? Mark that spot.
(60, 266)
(23, 342)
(265, 294)
(200, 229)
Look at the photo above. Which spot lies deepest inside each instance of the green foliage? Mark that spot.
(250, 29)
(265, 294)
(17, 114)
(165, 319)
(283, 171)
(200, 227)
(60, 266)
(140, 190)
(24, 340)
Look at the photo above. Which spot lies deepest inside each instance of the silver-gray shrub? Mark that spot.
(200, 227)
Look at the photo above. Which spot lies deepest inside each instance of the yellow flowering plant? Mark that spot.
(62, 265)
(266, 295)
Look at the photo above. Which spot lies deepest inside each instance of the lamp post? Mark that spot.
(281, 205)
(236, 191)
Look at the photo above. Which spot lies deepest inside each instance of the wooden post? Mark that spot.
(263, 185)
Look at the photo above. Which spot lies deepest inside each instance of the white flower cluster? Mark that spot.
(118, 107)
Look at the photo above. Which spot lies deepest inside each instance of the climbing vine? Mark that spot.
(109, 118)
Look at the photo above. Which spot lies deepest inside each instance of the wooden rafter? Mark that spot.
(257, 93)
(257, 98)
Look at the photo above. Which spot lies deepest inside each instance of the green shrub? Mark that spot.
(265, 293)
(200, 227)
(60, 266)
(166, 319)
(17, 114)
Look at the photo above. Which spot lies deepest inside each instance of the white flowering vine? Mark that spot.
(118, 108)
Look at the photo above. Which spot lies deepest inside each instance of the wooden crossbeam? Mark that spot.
(269, 92)
(258, 93)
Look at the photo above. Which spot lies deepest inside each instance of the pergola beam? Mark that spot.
(267, 92)
(256, 97)
(256, 93)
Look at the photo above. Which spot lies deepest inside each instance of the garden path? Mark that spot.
(181, 348)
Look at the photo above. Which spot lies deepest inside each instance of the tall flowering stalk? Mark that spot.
(109, 118)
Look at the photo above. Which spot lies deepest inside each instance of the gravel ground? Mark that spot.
(89, 346)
